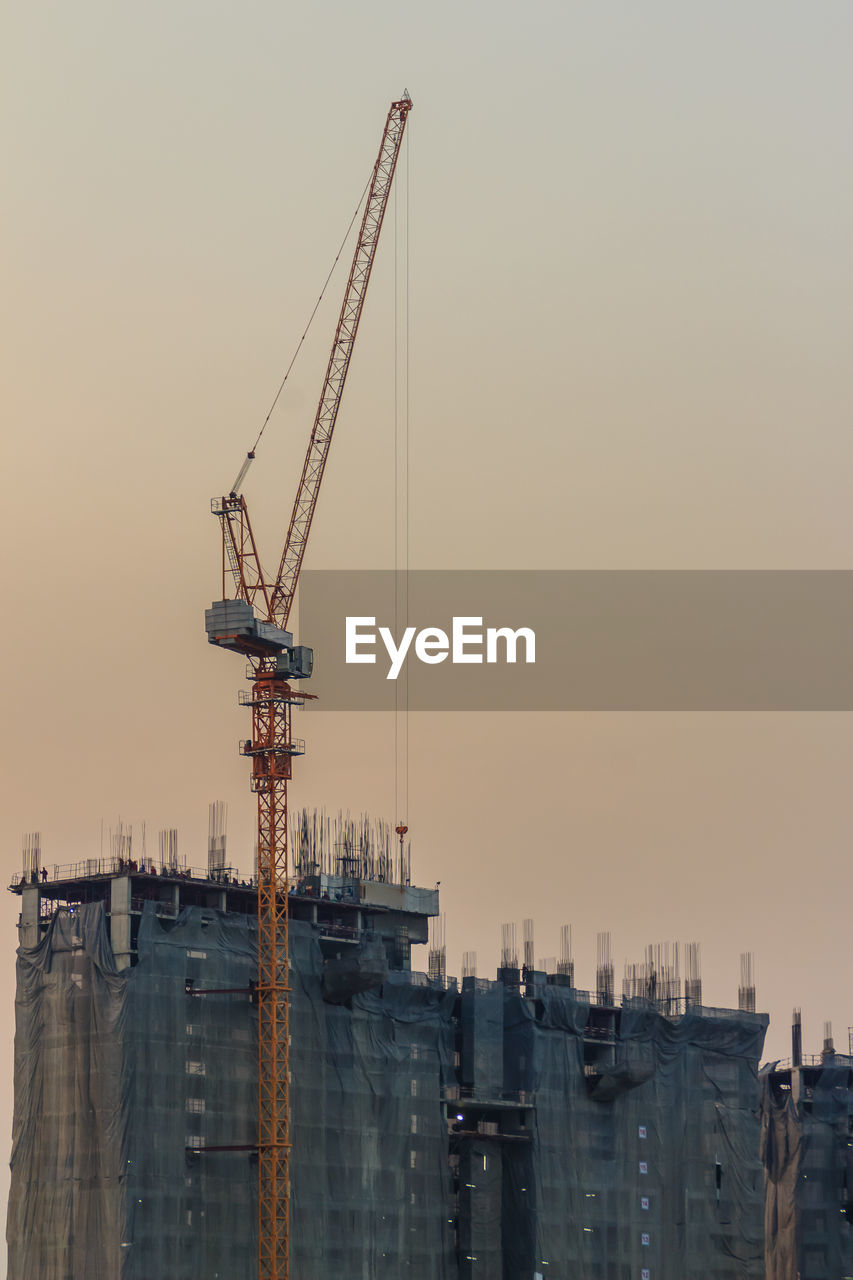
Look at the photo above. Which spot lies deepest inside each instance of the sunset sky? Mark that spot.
(630, 289)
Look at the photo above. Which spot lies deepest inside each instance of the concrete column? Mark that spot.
(29, 933)
(120, 920)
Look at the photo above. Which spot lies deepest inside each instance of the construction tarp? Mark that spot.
(126, 1082)
(645, 1156)
(807, 1152)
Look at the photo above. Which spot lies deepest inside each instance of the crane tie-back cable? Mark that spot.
(251, 454)
(401, 486)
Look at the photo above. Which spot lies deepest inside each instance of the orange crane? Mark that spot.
(253, 622)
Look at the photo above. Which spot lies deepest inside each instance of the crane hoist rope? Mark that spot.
(250, 456)
(233, 622)
(401, 214)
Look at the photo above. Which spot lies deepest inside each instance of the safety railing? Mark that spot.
(813, 1060)
(296, 747)
(465, 1093)
(168, 910)
(338, 930)
(108, 867)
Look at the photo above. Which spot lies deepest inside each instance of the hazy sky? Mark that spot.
(630, 300)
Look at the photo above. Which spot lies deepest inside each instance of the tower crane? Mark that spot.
(252, 620)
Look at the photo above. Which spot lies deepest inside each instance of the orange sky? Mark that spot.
(630, 302)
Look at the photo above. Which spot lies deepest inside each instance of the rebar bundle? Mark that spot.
(657, 979)
(565, 964)
(437, 967)
(604, 977)
(693, 978)
(746, 990)
(169, 848)
(31, 854)
(509, 950)
(358, 848)
(216, 835)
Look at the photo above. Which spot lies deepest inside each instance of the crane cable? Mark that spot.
(247, 461)
(401, 499)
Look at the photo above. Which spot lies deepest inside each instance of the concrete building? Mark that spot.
(509, 1130)
(807, 1151)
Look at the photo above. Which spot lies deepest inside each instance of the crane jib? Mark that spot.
(274, 599)
(333, 384)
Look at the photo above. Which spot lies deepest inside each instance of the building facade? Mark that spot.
(510, 1130)
(807, 1151)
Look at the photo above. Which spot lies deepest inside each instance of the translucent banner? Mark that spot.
(656, 640)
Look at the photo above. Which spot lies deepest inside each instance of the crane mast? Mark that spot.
(233, 623)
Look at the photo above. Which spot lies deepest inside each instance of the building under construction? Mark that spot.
(219, 1078)
(513, 1129)
(807, 1150)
